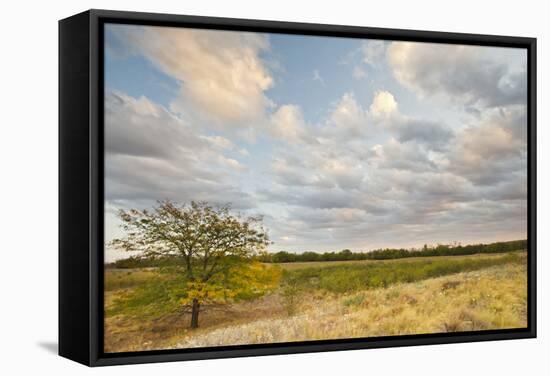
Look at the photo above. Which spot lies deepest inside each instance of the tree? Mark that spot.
(346, 254)
(214, 248)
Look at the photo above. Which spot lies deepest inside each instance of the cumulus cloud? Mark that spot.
(130, 122)
(402, 156)
(383, 105)
(221, 73)
(398, 170)
(489, 151)
(288, 171)
(318, 169)
(287, 123)
(152, 154)
(432, 134)
(414, 182)
(347, 118)
(471, 75)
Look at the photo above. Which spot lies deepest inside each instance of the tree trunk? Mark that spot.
(195, 314)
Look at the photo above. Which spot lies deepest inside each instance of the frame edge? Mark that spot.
(74, 220)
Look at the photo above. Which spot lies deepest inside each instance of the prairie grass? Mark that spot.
(493, 298)
(331, 300)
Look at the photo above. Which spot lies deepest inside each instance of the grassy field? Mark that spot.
(340, 299)
(325, 264)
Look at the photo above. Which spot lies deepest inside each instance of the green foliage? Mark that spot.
(169, 290)
(357, 277)
(206, 249)
(189, 233)
(155, 297)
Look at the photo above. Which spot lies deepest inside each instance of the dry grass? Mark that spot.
(490, 298)
(126, 333)
(494, 298)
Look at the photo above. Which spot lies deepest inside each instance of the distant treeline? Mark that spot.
(344, 255)
(145, 262)
(395, 253)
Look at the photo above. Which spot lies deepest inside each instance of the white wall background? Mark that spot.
(28, 187)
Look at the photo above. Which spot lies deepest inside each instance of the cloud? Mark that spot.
(402, 156)
(344, 173)
(406, 185)
(130, 122)
(433, 135)
(383, 105)
(231, 163)
(415, 182)
(287, 124)
(152, 154)
(287, 171)
(317, 77)
(317, 169)
(347, 118)
(219, 142)
(384, 110)
(331, 218)
(476, 77)
(511, 189)
(221, 73)
(489, 152)
(347, 173)
(373, 52)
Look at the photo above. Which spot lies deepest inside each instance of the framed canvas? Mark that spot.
(235, 187)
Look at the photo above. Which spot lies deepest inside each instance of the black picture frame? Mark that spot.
(81, 152)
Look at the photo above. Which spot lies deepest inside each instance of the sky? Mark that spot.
(337, 142)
